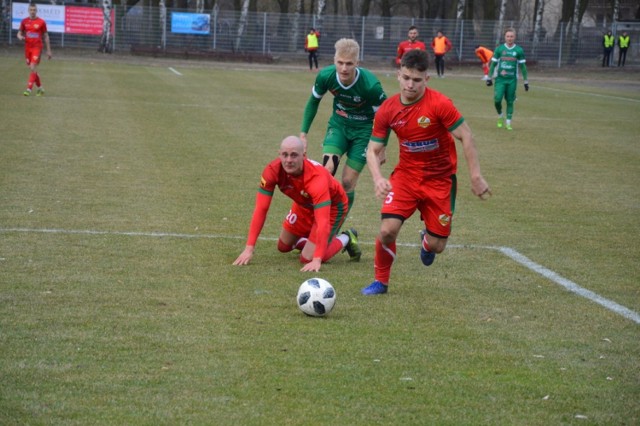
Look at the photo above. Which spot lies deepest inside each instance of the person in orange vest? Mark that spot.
(623, 45)
(607, 42)
(311, 44)
(485, 56)
(440, 45)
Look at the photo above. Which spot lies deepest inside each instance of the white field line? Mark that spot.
(597, 95)
(173, 70)
(507, 251)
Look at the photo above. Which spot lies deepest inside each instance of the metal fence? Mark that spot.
(269, 36)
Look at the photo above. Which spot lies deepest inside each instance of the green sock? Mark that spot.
(351, 196)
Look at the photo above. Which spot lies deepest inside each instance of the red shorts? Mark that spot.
(435, 198)
(32, 54)
(300, 221)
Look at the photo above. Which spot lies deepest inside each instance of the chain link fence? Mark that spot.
(271, 36)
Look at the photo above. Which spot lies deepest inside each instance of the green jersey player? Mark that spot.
(508, 58)
(357, 94)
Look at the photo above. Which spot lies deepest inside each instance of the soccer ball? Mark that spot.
(316, 297)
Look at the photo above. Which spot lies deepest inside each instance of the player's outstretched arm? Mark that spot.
(245, 257)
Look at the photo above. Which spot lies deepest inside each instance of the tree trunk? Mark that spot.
(163, 24)
(105, 40)
(500, 30)
(537, 26)
(322, 5)
(295, 25)
(242, 22)
(575, 29)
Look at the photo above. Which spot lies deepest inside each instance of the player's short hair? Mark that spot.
(347, 47)
(415, 59)
(413, 27)
(510, 30)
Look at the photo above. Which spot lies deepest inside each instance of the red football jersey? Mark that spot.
(33, 30)
(315, 190)
(427, 148)
(407, 45)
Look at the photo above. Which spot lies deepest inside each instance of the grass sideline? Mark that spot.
(129, 327)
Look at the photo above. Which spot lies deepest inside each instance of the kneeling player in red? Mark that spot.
(319, 209)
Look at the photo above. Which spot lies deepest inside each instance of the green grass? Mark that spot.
(126, 193)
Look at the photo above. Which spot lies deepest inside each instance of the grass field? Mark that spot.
(126, 193)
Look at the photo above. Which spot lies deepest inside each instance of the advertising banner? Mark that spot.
(64, 19)
(85, 20)
(190, 23)
(52, 15)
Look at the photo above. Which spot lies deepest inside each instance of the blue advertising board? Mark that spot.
(190, 23)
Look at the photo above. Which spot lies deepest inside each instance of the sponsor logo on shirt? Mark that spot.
(424, 122)
(421, 146)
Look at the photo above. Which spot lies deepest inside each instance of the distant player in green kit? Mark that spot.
(507, 57)
(357, 94)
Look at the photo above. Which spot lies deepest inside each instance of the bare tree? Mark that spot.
(322, 4)
(500, 30)
(105, 40)
(537, 26)
(295, 25)
(242, 22)
(575, 29)
(616, 10)
(163, 23)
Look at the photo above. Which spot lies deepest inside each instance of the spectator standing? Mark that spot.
(608, 42)
(440, 45)
(409, 44)
(623, 45)
(485, 56)
(33, 31)
(311, 44)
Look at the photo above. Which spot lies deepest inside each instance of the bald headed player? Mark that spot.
(317, 213)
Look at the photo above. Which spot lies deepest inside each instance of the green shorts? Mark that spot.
(353, 141)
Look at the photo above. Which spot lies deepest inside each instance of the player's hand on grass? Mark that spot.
(313, 266)
(526, 86)
(489, 82)
(245, 257)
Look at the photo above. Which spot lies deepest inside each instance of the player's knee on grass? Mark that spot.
(284, 248)
(333, 160)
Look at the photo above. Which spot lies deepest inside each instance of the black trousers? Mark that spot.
(313, 58)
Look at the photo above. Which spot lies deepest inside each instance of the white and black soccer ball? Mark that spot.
(316, 297)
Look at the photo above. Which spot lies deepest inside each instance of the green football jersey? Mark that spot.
(508, 60)
(353, 105)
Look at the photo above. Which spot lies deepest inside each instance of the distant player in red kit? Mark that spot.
(317, 213)
(33, 31)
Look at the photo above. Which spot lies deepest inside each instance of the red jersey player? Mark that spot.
(319, 209)
(425, 177)
(409, 44)
(33, 30)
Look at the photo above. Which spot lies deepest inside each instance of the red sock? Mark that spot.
(334, 247)
(32, 79)
(38, 80)
(382, 261)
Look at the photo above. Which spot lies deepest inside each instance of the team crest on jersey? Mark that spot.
(444, 219)
(424, 122)
(357, 99)
(263, 182)
(304, 194)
